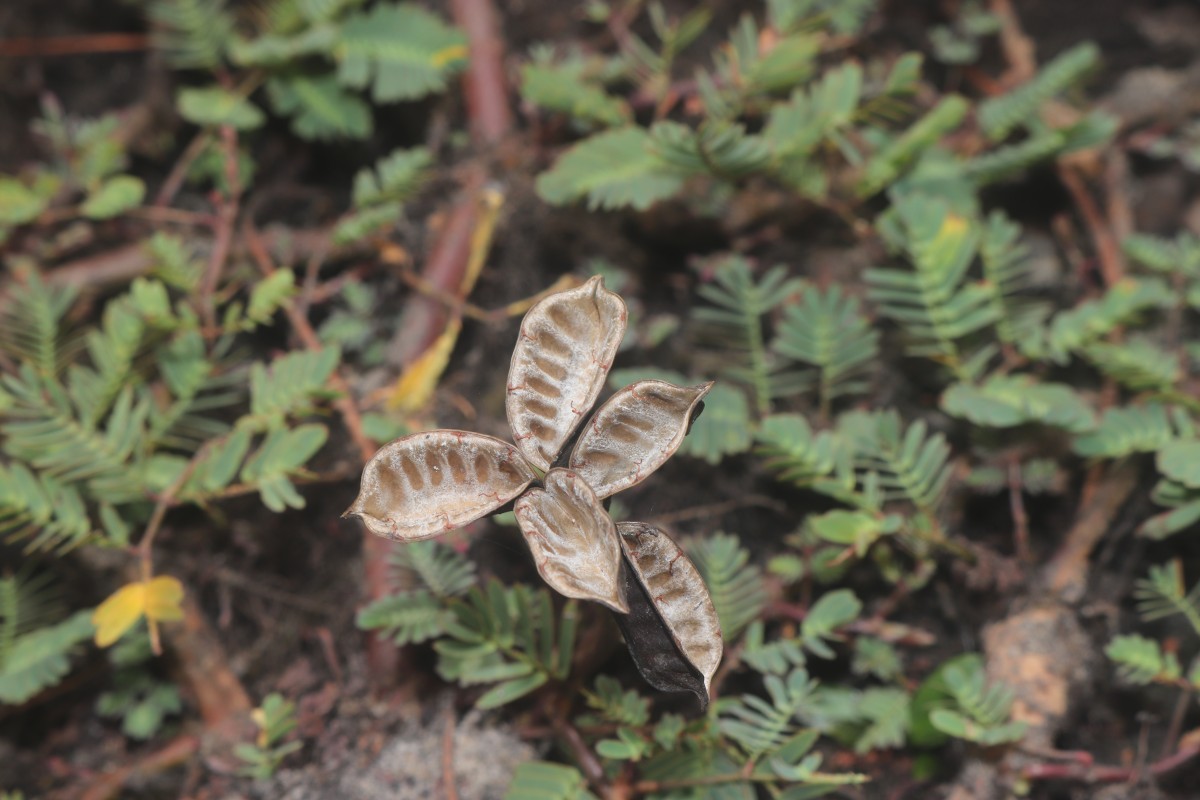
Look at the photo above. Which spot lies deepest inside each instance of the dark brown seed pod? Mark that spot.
(573, 540)
(426, 484)
(672, 628)
(563, 353)
(634, 433)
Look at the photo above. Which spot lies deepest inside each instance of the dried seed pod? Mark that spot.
(428, 483)
(672, 628)
(565, 348)
(638, 429)
(574, 541)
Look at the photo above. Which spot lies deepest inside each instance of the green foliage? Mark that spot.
(314, 58)
(740, 304)
(904, 463)
(1135, 429)
(612, 169)
(290, 384)
(568, 88)
(400, 50)
(820, 460)
(1141, 660)
(1163, 593)
(215, 105)
(734, 583)
(1074, 329)
(832, 611)
(275, 718)
(192, 33)
(826, 329)
(506, 636)
(320, 107)
(33, 661)
(935, 303)
(380, 193)
(546, 781)
(1137, 364)
(1004, 401)
(114, 197)
(761, 726)
(957, 701)
(140, 700)
(999, 116)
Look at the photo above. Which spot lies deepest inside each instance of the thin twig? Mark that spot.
(80, 44)
(1108, 251)
(227, 212)
(1086, 772)
(179, 172)
(109, 784)
(1018, 48)
(1016, 504)
(146, 545)
(587, 761)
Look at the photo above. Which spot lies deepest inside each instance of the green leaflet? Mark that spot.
(609, 170)
(400, 50)
(214, 106)
(1004, 401)
(39, 659)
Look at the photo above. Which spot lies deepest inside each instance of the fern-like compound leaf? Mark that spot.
(827, 330)
(999, 116)
(733, 582)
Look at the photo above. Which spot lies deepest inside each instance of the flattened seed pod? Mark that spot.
(638, 429)
(672, 628)
(565, 348)
(574, 541)
(428, 483)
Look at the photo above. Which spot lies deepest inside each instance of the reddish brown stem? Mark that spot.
(174, 752)
(1016, 504)
(491, 117)
(424, 318)
(1108, 251)
(227, 212)
(83, 44)
(1100, 773)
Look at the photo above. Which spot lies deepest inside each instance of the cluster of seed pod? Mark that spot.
(428, 483)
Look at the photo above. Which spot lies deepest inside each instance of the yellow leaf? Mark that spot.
(416, 385)
(156, 599)
(118, 613)
(163, 597)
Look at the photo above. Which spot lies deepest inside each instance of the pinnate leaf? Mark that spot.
(114, 196)
(614, 169)
(214, 105)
